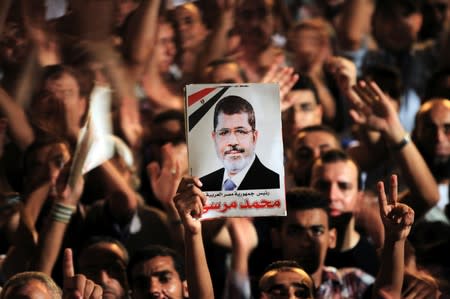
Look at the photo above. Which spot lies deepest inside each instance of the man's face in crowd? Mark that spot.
(226, 73)
(67, 90)
(305, 111)
(255, 23)
(396, 30)
(104, 263)
(308, 147)
(49, 163)
(433, 129)
(190, 26)
(157, 278)
(339, 181)
(235, 141)
(33, 289)
(308, 45)
(435, 15)
(288, 284)
(305, 237)
(165, 49)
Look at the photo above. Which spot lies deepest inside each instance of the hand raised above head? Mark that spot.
(189, 202)
(397, 217)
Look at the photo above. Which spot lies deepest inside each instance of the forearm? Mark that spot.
(416, 173)
(216, 43)
(19, 127)
(122, 199)
(355, 24)
(142, 31)
(199, 279)
(390, 275)
(326, 99)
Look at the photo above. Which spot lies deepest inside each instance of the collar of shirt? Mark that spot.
(239, 177)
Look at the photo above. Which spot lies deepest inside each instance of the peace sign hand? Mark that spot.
(397, 217)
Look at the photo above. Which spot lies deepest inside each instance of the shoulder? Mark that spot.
(213, 181)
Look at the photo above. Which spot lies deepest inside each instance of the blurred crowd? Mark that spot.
(365, 109)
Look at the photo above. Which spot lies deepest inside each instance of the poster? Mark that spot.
(235, 147)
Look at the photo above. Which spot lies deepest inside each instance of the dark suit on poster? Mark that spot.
(257, 177)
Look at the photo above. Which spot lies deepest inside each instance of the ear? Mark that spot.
(416, 20)
(276, 238)
(213, 135)
(332, 237)
(255, 136)
(185, 289)
(319, 111)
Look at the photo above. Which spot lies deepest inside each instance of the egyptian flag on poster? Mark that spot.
(260, 190)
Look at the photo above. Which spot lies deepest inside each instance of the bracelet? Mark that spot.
(405, 140)
(61, 212)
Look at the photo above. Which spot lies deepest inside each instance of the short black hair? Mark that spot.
(151, 252)
(304, 198)
(319, 128)
(337, 155)
(306, 83)
(282, 264)
(387, 77)
(210, 68)
(232, 105)
(106, 239)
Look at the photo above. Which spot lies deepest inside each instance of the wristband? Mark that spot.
(405, 140)
(61, 212)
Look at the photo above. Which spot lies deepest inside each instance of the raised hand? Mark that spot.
(165, 179)
(189, 202)
(77, 286)
(343, 71)
(397, 217)
(285, 77)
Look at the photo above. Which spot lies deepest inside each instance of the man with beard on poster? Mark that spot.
(235, 138)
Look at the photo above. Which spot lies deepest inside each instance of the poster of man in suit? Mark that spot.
(235, 148)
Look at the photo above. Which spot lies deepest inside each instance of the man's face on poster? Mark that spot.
(235, 141)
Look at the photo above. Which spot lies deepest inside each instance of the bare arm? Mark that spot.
(141, 34)
(373, 108)
(354, 24)
(216, 42)
(122, 199)
(397, 220)
(52, 235)
(19, 127)
(189, 201)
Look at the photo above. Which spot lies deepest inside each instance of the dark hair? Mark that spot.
(407, 7)
(85, 83)
(304, 198)
(282, 264)
(387, 77)
(436, 87)
(106, 239)
(337, 155)
(319, 128)
(305, 83)
(233, 105)
(213, 65)
(151, 252)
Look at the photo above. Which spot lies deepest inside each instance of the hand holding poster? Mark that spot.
(235, 148)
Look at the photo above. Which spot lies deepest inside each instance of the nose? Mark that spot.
(334, 193)
(155, 288)
(440, 135)
(104, 277)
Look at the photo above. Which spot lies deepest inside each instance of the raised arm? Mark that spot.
(19, 128)
(397, 220)
(52, 235)
(373, 109)
(189, 202)
(354, 24)
(141, 34)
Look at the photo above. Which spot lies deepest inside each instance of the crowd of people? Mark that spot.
(365, 110)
